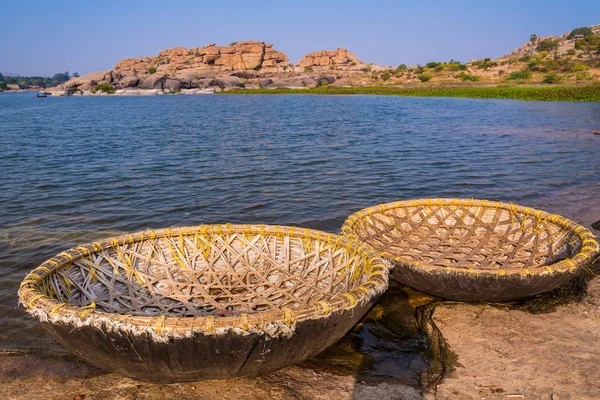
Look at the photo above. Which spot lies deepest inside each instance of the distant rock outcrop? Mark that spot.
(239, 56)
(323, 58)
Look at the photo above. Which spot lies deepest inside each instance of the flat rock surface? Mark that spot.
(31, 377)
(502, 354)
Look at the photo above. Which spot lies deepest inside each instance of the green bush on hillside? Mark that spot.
(104, 87)
(548, 45)
(579, 68)
(432, 64)
(424, 78)
(552, 78)
(439, 68)
(518, 75)
(468, 77)
(308, 69)
(385, 76)
(589, 44)
(402, 67)
(151, 70)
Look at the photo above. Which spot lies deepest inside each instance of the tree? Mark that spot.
(584, 30)
(61, 78)
(76, 74)
(589, 44)
(548, 45)
(532, 39)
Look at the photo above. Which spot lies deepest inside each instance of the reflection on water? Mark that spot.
(75, 170)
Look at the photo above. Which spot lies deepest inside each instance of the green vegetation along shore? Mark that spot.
(541, 93)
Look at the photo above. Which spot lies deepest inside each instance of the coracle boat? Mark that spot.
(205, 302)
(474, 250)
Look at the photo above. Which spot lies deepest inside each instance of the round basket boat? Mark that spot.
(205, 302)
(474, 250)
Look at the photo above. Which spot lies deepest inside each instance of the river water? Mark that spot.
(79, 169)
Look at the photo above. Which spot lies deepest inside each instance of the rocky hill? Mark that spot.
(565, 44)
(239, 56)
(572, 58)
(325, 58)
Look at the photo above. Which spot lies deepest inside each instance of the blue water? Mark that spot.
(79, 169)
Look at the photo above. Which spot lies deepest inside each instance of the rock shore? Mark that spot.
(501, 353)
(249, 64)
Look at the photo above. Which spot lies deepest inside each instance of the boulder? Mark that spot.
(129, 81)
(265, 82)
(200, 83)
(95, 77)
(154, 81)
(326, 79)
(173, 85)
(227, 81)
(340, 56)
(245, 74)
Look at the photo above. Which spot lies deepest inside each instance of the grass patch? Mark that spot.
(542, 93)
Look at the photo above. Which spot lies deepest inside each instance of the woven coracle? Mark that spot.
(474, 250)
(205, 302)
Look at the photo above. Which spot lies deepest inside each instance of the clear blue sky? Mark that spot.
(45, 37)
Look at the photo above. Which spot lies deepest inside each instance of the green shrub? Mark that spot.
(525, 58)
(552, 78)
(375, 77)
(424, 78)
(331, 66)
(232, 43)
(583, 77)
(366, 69)
(468, 77)
(439, 68)
(308, 69)
(432, 64)
(402, 67)
(518, 75)
(542, 54)
(584, 30)
(551, 65)
(353, 64)
(579, 68)
(151, 70)
(385, 76)
(457, 67)
(571, 52)
(104, 87)
(548, 45)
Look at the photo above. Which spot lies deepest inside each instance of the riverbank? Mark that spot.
(501, 353)
(537, 93)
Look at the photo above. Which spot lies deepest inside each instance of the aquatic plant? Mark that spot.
(539, 93)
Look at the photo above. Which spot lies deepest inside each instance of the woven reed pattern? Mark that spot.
(207, 277)
(475, 236)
